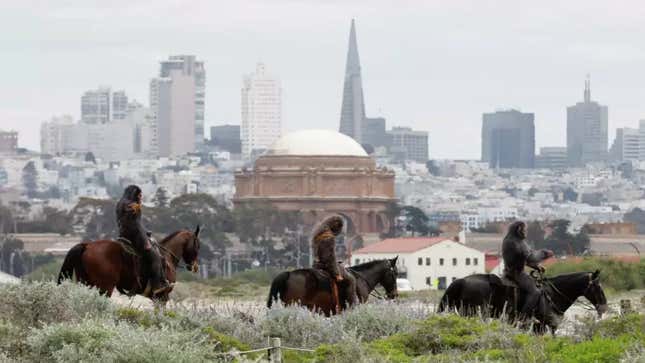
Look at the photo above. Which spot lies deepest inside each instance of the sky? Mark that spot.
(431, 65)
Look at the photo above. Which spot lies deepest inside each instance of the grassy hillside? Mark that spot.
(43, 322)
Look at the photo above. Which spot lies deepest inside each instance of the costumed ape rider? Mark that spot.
(128, 215)
(324, 250)
(517, 254)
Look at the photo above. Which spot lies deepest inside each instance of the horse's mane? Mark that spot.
(568, 276)
(170, 236)
(367, 265)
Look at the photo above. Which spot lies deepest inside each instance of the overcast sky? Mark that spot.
(431, 65)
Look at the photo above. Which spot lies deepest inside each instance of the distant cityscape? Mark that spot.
(360, 171)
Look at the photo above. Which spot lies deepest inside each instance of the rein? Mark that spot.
(541, 279)
(373, 292)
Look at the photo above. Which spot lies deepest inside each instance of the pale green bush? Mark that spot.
(106, 341)
(33, 304)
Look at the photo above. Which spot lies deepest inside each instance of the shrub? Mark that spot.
(33, 304)
(599, 350)
(301, 328)
(104, 341)
(382, 319)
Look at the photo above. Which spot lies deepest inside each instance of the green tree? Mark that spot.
(161, 198)
(416, 221)
(535, 233)
(94, 218)
(190, 210)
(636, 216)
(561, 242)
(30, 179)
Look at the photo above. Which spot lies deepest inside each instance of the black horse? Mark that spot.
(312, 288)
(486, 294)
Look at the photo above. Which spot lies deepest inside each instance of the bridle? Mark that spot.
(541, 279)
(374, 293)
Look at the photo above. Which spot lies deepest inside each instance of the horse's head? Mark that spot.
(191, 250)
(389, 278)
(595, 294)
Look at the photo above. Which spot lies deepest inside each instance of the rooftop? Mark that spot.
(401, 245)
(316, 143)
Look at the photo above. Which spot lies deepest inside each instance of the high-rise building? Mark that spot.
(177, 105)
(188, 64)
(52, 134)
(227, 137)
(352, 113)
(587, 124)
(8, 142)
(102, 105)
(374, 132)
(508, 139)
(551, 158)
(408, 144)
(261, 111)
(627, 145)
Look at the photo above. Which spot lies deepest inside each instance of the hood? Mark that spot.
(514, 230)
(131, 192)
(325, 224)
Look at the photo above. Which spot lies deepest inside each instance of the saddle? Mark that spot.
(142, 277)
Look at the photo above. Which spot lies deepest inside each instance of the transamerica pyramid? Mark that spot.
(352, 112)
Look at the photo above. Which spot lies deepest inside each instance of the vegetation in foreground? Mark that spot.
(43, 322)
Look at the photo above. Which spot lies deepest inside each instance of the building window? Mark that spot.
(428, 281)
(441, 262)
(427, 261)
(454, 262)
(475, 261)
(420, 261)
(467, 261)
(357, 261)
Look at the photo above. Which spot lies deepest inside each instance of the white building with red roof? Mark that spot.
(427, 262)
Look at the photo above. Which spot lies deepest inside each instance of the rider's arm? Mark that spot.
(535, 257)
(327, 256)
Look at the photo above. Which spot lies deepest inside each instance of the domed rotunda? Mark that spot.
(319, 172)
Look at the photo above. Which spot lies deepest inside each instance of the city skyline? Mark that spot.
(429, 75)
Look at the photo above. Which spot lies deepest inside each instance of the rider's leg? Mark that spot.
(349, 287)
(531, 293)
(158, 281)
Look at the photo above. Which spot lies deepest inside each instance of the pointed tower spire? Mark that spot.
(588, 89)
(352, 110)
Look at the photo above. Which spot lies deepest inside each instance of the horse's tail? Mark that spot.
(73, 263)
(450, 294)
(278, 287)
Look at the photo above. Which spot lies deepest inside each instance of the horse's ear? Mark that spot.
(595, 275)
(393, 261)
(197, 231)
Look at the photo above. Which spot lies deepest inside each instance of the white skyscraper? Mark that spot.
(102, 105)
(177, 105)
(261, 111)
(52, 134)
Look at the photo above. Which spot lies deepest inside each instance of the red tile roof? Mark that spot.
(401, 245)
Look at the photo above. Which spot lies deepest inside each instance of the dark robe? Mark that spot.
(128, 216)
(517, 254)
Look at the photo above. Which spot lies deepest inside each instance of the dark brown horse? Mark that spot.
(108, 264)
(312, 288)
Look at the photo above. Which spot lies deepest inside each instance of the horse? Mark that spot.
(108, 264)
(312, 288)
(489, 295)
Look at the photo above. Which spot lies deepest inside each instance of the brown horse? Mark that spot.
(107, 264)
(312, 288)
